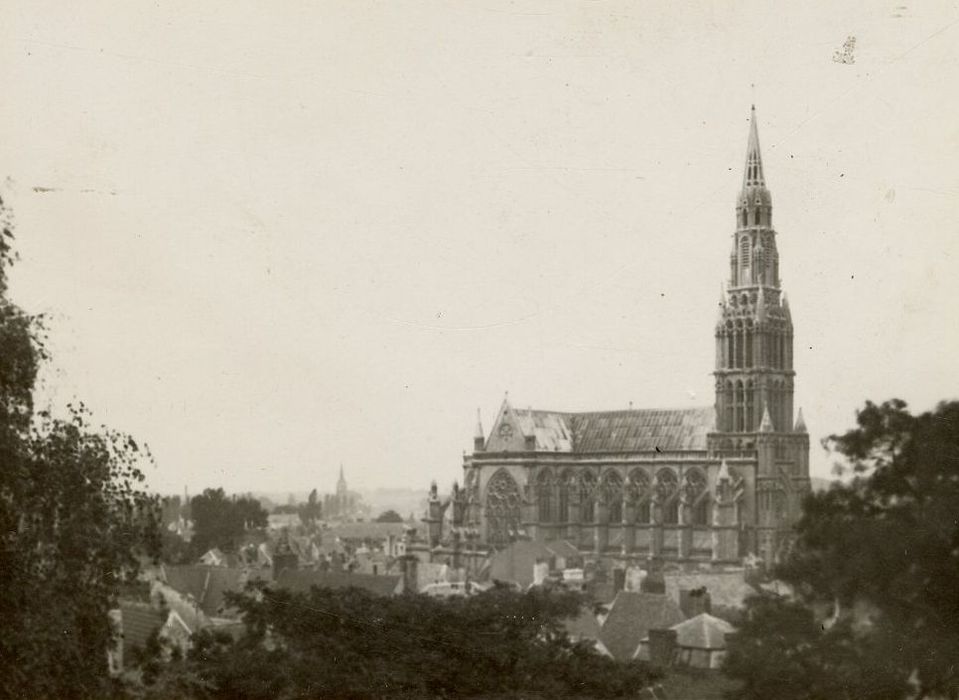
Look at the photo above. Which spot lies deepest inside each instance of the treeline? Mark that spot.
(875, 614)
(350, 644)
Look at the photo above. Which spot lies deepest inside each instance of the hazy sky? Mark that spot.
(277, 236)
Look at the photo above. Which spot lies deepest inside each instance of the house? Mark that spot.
(631, 617)
(204, 588)
(585, 627)
(515, 563)
(727, 588)
(301, 581)
(700, 642)
(135, 623)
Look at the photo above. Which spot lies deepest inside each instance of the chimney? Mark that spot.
(653, 582)
(283, 556)
(694, 602)
(408, 565)
(619, 580)
(540, 571)
(662, 647)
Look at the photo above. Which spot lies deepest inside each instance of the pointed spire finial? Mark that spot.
(766, 426)
(479, 425)
(753, 177)
(800, 422)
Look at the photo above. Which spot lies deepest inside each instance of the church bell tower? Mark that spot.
(754, 331)
(755, 428)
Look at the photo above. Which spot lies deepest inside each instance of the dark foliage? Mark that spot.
(311, 511)
(389, 516)
(880, 552)
(219, 521)
(349, 644)
(73, 521)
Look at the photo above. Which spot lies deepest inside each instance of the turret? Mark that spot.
(479, 437)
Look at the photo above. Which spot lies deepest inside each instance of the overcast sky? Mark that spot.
(273, 237)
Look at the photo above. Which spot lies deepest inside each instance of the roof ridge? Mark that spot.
(703, 407)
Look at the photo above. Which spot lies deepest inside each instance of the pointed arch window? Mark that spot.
(503, 503)
(667, 493)
(703, 512)
(612, 495)
(565, 484)
(730, 408)
(744, 260)
(740, 407)
(638, 492)
(695, 494)
(587, 495)
(544, 496)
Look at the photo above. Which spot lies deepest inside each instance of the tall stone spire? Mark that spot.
(754, 331)
(754, 206)
(753, 177)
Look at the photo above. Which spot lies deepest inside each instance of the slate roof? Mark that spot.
(139, 622)
(642, 430)
(630, 619)
(206, 584)
(583, 626)
(634, 430)
(702, 632)
(301, 581)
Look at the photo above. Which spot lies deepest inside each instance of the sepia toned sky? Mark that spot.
(272, 238)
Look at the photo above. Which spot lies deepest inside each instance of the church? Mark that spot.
(713, 484)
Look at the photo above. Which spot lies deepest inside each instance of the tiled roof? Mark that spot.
(583, 626)
(632, 616)
(301, 581)
(139, 622)
(634, 430)
(206, 584)
(644, 430)
(703, 632)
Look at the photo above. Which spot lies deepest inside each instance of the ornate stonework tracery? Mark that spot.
(503, 503)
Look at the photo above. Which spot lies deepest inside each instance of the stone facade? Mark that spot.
(717, 483)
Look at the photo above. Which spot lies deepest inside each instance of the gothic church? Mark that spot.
(716, 483)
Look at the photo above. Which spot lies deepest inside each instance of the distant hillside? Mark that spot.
(403, 501)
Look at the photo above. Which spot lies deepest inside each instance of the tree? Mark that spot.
(219, 521)
(781, 651)
(350, 644)
(311, 511)
(74, 520)
(882, 553)
(389, 516)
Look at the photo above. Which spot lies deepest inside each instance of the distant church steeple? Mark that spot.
(754, 333)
